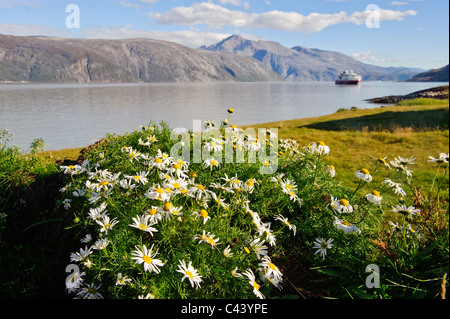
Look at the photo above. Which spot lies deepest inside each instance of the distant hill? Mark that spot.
(304, 64)
(436, 75)
(44, 59)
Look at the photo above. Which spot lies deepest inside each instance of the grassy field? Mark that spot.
(357, 135)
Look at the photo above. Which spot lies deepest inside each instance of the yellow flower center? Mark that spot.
(167, 207)
(104, 183)
(250, 183)
(213, 144)
(176, 166)
(272, 266)
(256, 286)
(203, 213)
(142, 226)
(214, 162)
(184, 191)
(247, 250)
(376, 193)
(321, 143)
(230, 111)
(201, 187)
(176, 185)
(190, 275)
(71, 167)
(344, 202)
(147, 259)
(152, 211)
(211, 241)
(288, 186)
(346, 223)
(92, 291)
(158, 160)
(203, 237)
(159, 190)
(365, 171)
(138, 178)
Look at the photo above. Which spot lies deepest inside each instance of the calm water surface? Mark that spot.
(75, 115)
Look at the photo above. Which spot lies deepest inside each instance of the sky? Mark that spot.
(405, 33)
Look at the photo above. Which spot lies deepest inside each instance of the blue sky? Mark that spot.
(411, 33)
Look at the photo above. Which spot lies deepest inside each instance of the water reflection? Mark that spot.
(73, 115)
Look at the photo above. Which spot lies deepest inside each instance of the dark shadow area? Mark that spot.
(35, 246)
(388, 121)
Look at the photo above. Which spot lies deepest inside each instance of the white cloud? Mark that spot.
(190, 38)
(398, 3)
(128, 4)
(125, 3)
(151, 2)
(233, 2)
(31, 30)
(216, 16)
(365, 57)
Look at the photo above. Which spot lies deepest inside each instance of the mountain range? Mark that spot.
(304, 64)
(48, 59)
(41, 59)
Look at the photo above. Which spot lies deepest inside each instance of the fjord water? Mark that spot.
(76, 115)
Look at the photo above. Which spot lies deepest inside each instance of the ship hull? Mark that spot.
(351, 82)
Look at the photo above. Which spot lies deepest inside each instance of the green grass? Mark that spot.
(423, 101)
(358, 136)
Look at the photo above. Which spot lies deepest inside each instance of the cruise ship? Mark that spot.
(348, 77)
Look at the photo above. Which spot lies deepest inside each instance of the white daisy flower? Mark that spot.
(374, 197)
(145, 256)
(322, 246)
(405, 210)
(341, 205)
(142, 222)
(190, 273)
(269, 268)
(364, 175)
(345, 226)
(252, 281)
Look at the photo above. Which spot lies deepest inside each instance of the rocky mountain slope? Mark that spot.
(41, 59)
(436, 75)
(304, 64)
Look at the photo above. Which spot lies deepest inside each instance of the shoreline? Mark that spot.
(280, 124)
(438, 92)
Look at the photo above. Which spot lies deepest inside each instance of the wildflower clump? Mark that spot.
(148, 217)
